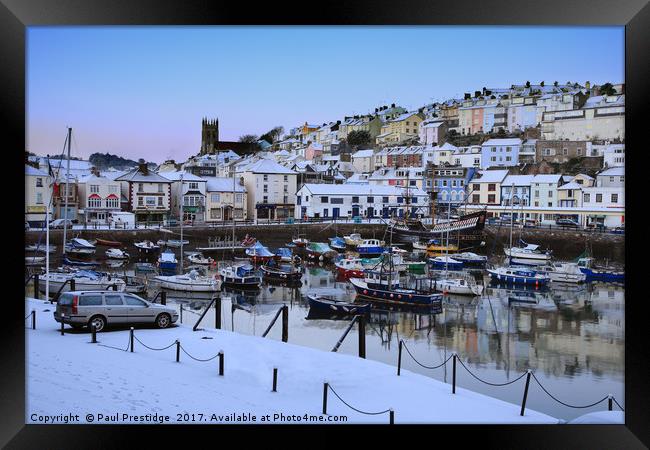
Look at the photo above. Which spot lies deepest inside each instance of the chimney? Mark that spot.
(142, 167)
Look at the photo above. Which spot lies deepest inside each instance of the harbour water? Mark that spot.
(571, 336)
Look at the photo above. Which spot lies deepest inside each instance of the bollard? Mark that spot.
(221, 363)
(609, 402)
(93, 331)
(72, 284)
(178, 350)
(62, 317)
(362, 336)
(34, 323)
(391, 415)
(523, 402)
(453, 386)
(325, 388)
(131, 338)
(181, 313)
(163, 297)
(115, 287)
(217, 313)
(285, 323)
(36, 286)
(399, 357)
(275, 380)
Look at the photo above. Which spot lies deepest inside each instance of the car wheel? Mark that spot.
(98, 321)
(163, 320)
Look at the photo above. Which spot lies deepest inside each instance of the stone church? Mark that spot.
(210, 143)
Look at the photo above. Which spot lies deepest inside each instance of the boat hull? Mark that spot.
(344, 308)
(280, 275)
(511, 279)
(602, 275)
(241, 283)
(177, 285)
(405, 297)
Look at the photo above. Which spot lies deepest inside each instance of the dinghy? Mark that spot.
(338, 306)
(198, 258)
(146, 247)
(116, 253)
(108, 243)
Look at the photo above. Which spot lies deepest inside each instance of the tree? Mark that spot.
(248, 138)
(527, 84)
(273, 135)
(555, 83)
(607, 89)
(359, 137)
(541, 84)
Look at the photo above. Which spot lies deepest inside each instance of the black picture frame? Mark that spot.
(15, 15)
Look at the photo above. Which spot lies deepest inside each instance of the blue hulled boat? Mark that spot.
(370, 248)
(445, 263)
(167, 261)
(514, 275)
(337, 243)
(598, 273)
(337, 306)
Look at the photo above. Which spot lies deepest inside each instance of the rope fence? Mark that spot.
(328, 387)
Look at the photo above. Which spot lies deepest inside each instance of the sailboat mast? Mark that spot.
(67, 180)
(182, 217)
(233, 211)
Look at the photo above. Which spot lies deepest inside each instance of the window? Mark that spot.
(550, 204)
(493, 159)
(113, 300)
(614, 198)
(215, 198)
(444, 183)
(599, 198)
(536, 194)
(508, 149)
(491, 198)
(371, 199)
(324, 199)
(476, 198)
(112, 188)
(39, 182)
(285, 199)
(140, 201)
(215, 213)
(476, 187)
(239, 213)
(194, 185)
(414, 200)
(400, 199)
(140, 187)
(265, 199)
(611, 179)
(565, 151)
(90, 300)
(94, 188)
(508, 158)
(286, 188)
(492, 187)
(385, 199)
(266, 177)
(134, 301)
(550, 194)
(94, 202)
(239, 198)
(150, 201)
(325, 212)
(336, 201)
(266, 188)
(160, 201)
(39, 198)
(112, 203)
(355, 199)
(160, 188)
(286, 178)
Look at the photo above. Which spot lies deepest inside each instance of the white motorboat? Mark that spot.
(173, 243)
(198, 258)
(420, 245)
(85, 280)
(470, 258)
(530, 254)
(146, 246)
(116, 253)
(80, 247)
(517, 275)
(460, 286)
(241, 276)
(353, 240)
(564, 272)
(34, 260)
(189, 282)
(40, 248)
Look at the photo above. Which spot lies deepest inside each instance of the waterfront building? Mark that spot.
(467, 156)
(500, 152)
(450, 183)
(225, 199)
(271, 189)
(544, 189)
(191, 191)
(99, 198)
(401, 176)
(355, 200)
(148, 194)
(69, 190)
(515, 190)
(485, 187)
(37, 195)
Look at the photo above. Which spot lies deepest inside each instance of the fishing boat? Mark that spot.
(116, 253)
(107, 243)
(257, 253)
(398, 262)
(350, 267)
(458, 286)
(189, 282)
(445, 263)
(337, 243)
(73, 262)
(331, 304)
(40, 248)
(198, 258)
(470, 259)
(353, 240)
(167, 261)
(79, 246)
(564, 272)
(528, 255)
(282, 272)
(514, 275)
(85, 280)
(145, 267)
(320, 251)
(146, 247)
(240, 276)
(370, 247)
(600, 273)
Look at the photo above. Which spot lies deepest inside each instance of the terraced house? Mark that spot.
(148, 194)
(402, 128)
(99, 197)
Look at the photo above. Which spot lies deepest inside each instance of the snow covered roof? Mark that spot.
(403, 116)
(363, 153)
(29, 170)
(504, 141)
(614, 171)
(518, 180)
(113, 174)
(136, 176)
(445, 146)
(358, 178)
(176, 176)
(360, 189)
(489, 176)
(547, 178)
(220, 184)
(570, 186)
(267, 166)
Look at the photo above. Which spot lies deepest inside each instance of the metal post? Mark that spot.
(217, 313)
(275, 381)
(362, 336)
(453, 386)
(523, 402)
(325, 388)
(34, 322)
(181, 313)
(391, 415)
(62, 317)
(163, 297)
(131, 338)
(178, 350)
(221, 363)
(93, 331)
(36, 286)
(285, 323)
(609, 402)
(399, 358)
(72, 285)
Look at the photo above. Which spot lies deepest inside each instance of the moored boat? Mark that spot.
(116, 253)
(445, 263)
(258, 253)
(107, 243)
(600, 273)
(320, 251)
(564, 272)
(198, 258)
(370, 248)
(370, 289)
(85, 280)
(282, 272)
(528, 255)
(167, 261)
(337, 306)
(337, 243)
(350, 267)
(459, 286)
(240, 276)
(436, 249)
(353, 240)
(79, 246)
(515, 275)
(146, 247)
(470, 259)
(300, 242)
(189, 282)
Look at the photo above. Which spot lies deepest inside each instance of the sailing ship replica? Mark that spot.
(468, 229)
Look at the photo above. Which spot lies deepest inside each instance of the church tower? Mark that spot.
(209, 136)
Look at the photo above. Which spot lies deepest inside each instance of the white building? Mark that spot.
(467, 157)
(349, 200)
(225, 198)
(363, 160)
(485, 187)
(271, 189)
(189, 190)
(614, 155)
(148, 194)
(99, 197)
(543, 190)
(37, 195)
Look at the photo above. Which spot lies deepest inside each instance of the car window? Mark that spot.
(65, 299)
(90, 300)
(113, 299)
(134, 301)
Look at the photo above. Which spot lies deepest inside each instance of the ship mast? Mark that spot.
(67, 186)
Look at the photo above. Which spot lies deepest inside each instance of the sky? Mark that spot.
(141, 92)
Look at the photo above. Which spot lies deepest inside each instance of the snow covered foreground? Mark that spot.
(69, 379)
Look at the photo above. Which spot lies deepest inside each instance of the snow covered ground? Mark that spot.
(68, 378)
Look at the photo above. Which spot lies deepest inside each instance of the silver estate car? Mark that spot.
(102, 308)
